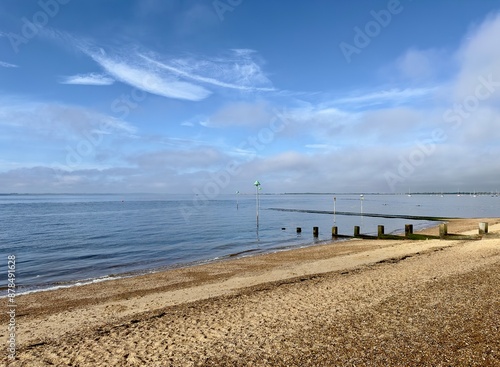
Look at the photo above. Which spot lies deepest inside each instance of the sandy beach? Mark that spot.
(348, 303)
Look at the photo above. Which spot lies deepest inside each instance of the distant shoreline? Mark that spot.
(430, 193)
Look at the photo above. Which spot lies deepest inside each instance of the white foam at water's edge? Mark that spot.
(70, 285)
(83, 282)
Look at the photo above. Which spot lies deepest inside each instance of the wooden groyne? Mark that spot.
(408, 233)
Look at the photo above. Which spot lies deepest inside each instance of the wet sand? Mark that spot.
(356, 302)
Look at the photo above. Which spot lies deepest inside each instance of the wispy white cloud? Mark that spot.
(238, 72)
(318, 121)
(7, 65)
(307, 112)
(148, 80)
(186, 78)
(317, 146)
(191, 78)
(196, 121)
(341, 118)
(87, 79)
(394, 96)
(56, 120)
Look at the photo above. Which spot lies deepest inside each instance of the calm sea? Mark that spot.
(62, 240)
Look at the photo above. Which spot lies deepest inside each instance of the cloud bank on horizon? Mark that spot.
(170, 97)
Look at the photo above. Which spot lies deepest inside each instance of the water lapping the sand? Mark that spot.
(63, 240)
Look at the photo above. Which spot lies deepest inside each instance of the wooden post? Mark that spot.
(380, 232)
(443, 230)
(335, 232)
(408, 229)
(315, 231)
(356, 231)
(299, 230)
(483, 227)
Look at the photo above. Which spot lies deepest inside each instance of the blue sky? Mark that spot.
(207, 96)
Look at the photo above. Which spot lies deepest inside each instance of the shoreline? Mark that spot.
(458, 225)
(49, 318)
(252, 252)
